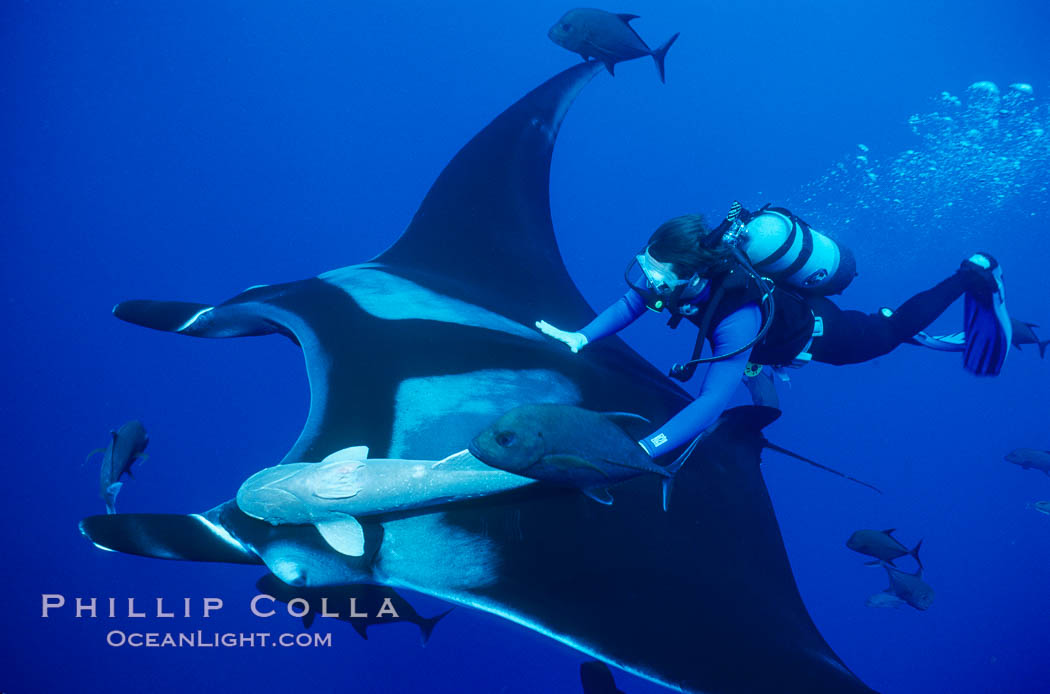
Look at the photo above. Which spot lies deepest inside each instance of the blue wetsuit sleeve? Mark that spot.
(615, 318)
(722, 379)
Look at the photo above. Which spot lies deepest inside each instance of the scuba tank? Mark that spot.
(785, 248)
(773, 246)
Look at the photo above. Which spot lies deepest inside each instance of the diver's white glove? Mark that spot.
(575, 341)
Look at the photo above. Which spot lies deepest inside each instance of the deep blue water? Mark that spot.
(190, 150)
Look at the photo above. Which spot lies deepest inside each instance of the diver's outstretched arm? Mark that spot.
(720, 382)
(612, 320)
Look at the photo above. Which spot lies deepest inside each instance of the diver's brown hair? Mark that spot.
(678, 241)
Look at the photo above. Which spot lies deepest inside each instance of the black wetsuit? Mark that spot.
(849, 337)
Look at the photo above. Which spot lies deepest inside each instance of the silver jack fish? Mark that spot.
(606, 37)
(1030, 458)
(905, 588)
(882, 545)
(126, 445)
(331, 494)
(565, 445)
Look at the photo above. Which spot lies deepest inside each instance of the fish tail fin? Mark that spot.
(660, 53)
(426, 626)
(779, 449)
(1042, 348)
(915, 554)
(110, 497)
(361, 628)
(674, 467)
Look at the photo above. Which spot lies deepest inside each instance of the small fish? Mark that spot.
(605, 36)
(126, 445)
(1024, 334)
(1030, 458)
(567, 446)
(374, 602)
(1041, 506)
(332, 494)
(882, 545)
(909, 587)
(597, 679)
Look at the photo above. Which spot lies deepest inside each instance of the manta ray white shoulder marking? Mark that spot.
(390, 297)
(193, 319)
(467, 404)
(352, 453)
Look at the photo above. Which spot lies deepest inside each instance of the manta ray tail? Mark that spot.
(166, 536)
(742, 422)
(796, 456)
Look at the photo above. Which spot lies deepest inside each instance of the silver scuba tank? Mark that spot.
(786, 249)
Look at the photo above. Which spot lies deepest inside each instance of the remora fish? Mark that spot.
(448, 311)
(606, 37)
(565, 445)
(909, 587)
(373, 602)
(330, 495)
(1030, 458)
(1024, 334)
(882, 545)
(126, 445)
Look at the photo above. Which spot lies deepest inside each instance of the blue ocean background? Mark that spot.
(190, 150)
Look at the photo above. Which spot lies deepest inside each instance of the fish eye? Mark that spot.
(566, 27)
(505, 439)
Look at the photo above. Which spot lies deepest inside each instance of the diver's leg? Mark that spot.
(916, 314)
(851, 337)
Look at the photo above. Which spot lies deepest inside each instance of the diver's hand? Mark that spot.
(575, 341)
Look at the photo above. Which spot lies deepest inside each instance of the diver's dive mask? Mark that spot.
(659, 286)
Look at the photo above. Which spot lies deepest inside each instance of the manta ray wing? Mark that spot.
(701, 597)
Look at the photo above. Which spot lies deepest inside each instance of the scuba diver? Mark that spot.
(756, 287)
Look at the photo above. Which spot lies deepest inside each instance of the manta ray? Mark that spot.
(416, 351)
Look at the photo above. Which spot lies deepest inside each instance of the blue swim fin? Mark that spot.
(986, 322)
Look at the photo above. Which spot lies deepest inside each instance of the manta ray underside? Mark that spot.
(415, 352)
